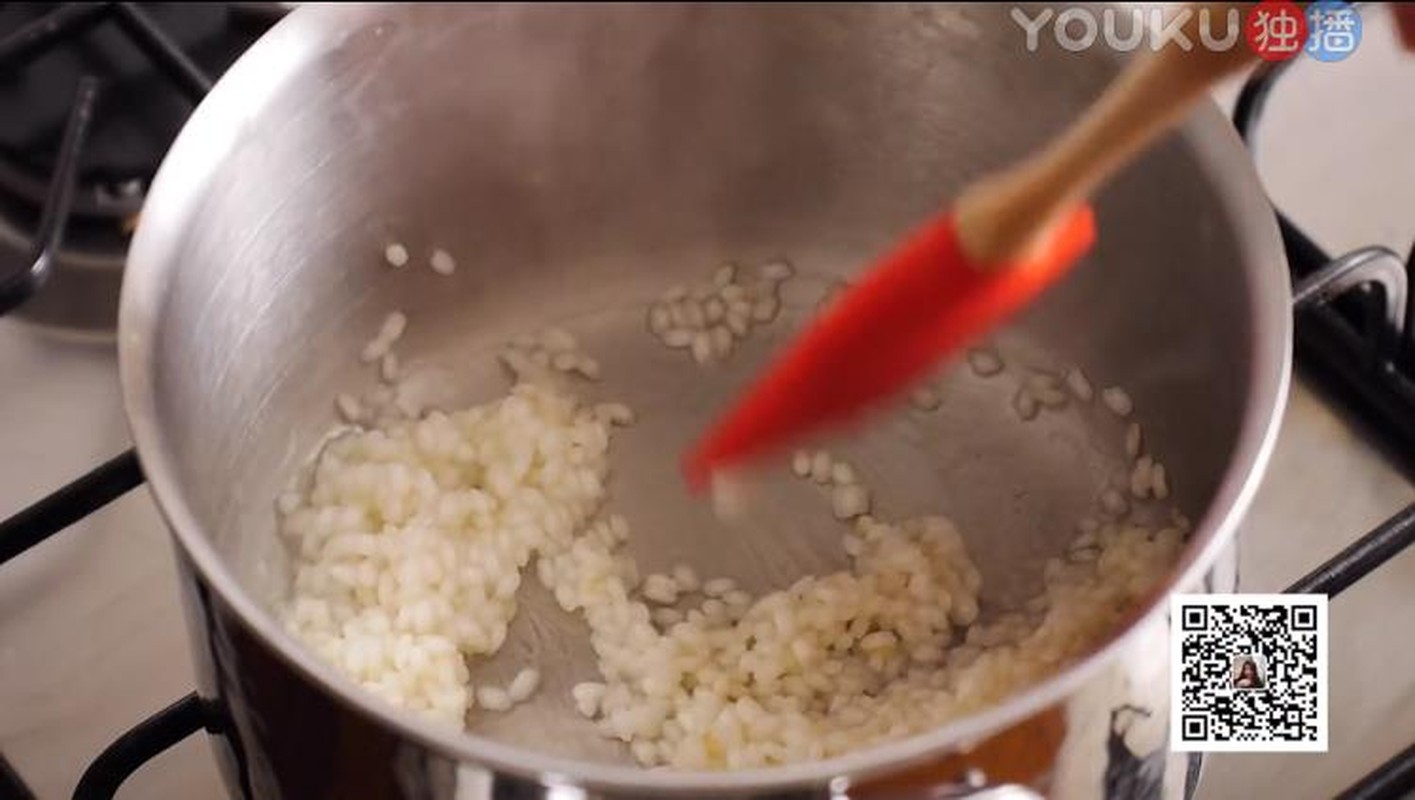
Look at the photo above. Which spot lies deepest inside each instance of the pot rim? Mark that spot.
(296, 42)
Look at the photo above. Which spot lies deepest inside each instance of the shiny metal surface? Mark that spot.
(1378, 266)
(580, 161)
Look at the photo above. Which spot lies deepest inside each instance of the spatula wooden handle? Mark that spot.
(1003, 216)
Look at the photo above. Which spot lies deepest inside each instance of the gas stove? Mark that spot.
(105, 87)
(92, 639)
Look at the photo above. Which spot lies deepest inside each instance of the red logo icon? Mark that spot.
(1276, 29)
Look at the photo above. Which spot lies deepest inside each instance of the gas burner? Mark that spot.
(94, 94)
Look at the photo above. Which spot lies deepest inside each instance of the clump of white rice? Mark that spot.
(710, 318)
(410, 539)
(834, 663)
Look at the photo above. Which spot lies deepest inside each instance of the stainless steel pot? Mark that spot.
(578, 160)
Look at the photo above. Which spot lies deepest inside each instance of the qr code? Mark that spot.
(1248, 673)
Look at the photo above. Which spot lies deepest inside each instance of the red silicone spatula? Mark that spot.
(1007, 238)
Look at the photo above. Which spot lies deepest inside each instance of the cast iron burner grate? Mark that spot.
(1355, 336)
(95, 93)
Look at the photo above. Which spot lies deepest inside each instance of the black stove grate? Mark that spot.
(135, 73)
(73, 19)
(54, 219)
(1352, 322)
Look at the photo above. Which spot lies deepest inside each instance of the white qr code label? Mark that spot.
(1248, 673)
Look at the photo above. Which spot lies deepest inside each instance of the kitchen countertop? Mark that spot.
(92, 637)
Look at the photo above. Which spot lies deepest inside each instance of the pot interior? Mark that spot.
(577, 162)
